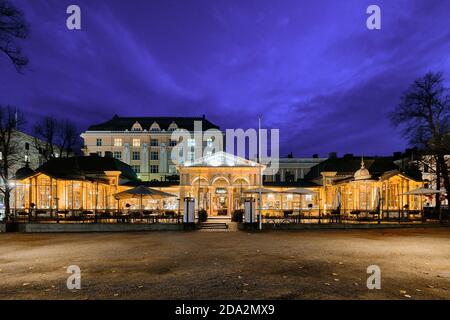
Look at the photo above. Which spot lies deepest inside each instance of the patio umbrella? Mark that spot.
(377, 204)
(141, 192)
(300, 191)
(422, 192)
(377, 200)
(337, 200)
(260, 190)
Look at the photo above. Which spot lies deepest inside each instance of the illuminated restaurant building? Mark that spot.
(218, 183)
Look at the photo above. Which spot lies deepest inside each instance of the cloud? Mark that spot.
(311, 69)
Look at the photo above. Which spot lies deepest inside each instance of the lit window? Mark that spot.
(99, 142)
(117, 142)
(136, 142)
(136, 155)
(154, 142)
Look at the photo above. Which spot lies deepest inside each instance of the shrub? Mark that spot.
(202, 215)
(238, 215)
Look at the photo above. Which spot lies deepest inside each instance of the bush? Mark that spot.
(237, 216)
(202, 215)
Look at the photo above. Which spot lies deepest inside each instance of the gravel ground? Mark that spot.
(415, 264)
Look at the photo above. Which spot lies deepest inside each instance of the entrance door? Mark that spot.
(220, 202)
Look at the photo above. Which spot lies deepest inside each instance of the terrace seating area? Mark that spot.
(99, 216)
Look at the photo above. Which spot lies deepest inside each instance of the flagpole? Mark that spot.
(260, 173)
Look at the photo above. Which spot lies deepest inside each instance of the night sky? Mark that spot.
(310, 68)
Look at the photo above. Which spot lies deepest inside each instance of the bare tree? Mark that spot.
(68, 137)
(54, 136)
(45, 133)
(12, 27)
(10, 121)
(424, 115)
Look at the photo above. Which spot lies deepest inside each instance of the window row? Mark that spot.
(153, 169)
(118, 142)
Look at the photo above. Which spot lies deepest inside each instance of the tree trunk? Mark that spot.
(444, 173)
(438, 195)
(7, 203)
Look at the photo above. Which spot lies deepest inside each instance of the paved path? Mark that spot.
(415, 264)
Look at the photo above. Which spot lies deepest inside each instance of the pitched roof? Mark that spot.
(79, 167)
(349, 165)
(126, 123)
(222, 159)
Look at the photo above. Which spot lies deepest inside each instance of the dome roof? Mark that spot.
(362, 173)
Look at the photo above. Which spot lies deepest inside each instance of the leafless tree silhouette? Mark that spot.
(424, 115)
(11, 119)
(12, 28)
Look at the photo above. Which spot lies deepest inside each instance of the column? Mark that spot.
(145, 160)
(126, 154)
(163, 158)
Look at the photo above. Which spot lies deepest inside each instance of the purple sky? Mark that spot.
(310, 68)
